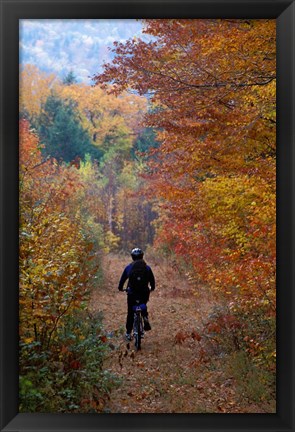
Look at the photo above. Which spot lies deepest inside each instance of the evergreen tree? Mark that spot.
(61, 132)
(70, 78)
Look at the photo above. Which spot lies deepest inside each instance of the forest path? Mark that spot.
(167, 375)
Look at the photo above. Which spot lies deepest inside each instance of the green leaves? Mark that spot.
(61, 131)
(70, 376)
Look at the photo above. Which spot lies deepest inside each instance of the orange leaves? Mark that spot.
(29, 155)
(229, 322)
(213, 328)
(54, 254)
(196, 336)
(213, 88)
(207, 78)
(182, 336)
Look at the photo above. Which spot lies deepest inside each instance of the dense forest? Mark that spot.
(173, 149)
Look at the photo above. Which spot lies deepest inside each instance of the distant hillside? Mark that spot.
(81, 45)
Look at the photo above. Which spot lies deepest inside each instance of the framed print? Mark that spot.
(147, 242)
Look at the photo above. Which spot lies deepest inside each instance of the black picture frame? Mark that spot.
(11, 12)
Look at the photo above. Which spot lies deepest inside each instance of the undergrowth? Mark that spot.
(70, 377)
(246, 343)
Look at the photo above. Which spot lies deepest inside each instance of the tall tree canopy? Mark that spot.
(212, 84)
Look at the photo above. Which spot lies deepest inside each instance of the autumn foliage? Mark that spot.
(57, 273)
(101, 135)
(72, 211)
(51, 243)
(212, 86)
(179, 156)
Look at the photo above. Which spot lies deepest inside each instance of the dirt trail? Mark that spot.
(166, 376)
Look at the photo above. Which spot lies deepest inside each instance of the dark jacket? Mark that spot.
(125, 276)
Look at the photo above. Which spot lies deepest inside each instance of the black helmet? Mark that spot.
(136, 253)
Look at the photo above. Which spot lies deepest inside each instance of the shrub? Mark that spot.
(70, 377)
(244, 335)
(255, 383)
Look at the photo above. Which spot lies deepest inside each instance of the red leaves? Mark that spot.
(196, 336)
(223, 322)
(213, 328)
(75, 364)
(181, 337)
(231, 321)
(216, 114)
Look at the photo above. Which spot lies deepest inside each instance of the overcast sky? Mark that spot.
(79, 45)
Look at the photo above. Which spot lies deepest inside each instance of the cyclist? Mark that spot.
(139, 276)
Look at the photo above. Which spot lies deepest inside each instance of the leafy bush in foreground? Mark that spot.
(69, 377)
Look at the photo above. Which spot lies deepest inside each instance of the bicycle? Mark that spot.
(138, 331)
(138, 326)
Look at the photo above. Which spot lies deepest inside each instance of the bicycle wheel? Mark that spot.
(137, 333)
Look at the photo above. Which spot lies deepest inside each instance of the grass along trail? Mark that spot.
(169, 374)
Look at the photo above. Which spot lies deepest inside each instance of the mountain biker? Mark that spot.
(136, 271)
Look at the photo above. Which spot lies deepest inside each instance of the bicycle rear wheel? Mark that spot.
(137, 333)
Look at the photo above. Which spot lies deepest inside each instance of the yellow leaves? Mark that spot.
(230, 203)
(101, 113)
(28, 340)
(54, 253)
(35, 87)
(274, 354)
(111, 240)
